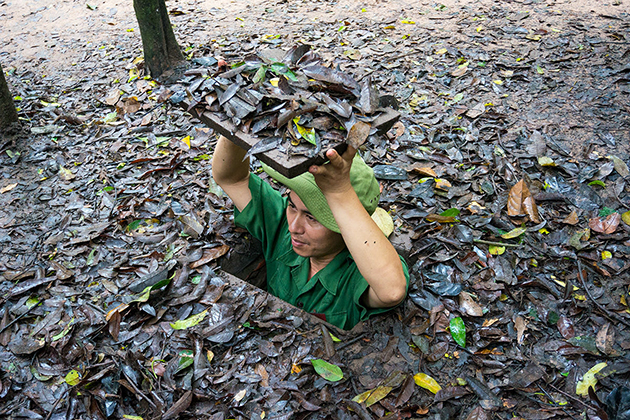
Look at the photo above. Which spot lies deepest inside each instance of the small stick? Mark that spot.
(590, 407)
(600, 307)
(481, 241)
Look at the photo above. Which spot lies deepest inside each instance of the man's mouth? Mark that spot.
(296, 243)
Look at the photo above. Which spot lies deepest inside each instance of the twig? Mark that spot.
(590, 407)
(19, 317)
(52, 410)
(553, 400)
(481, 241)
(600, 307)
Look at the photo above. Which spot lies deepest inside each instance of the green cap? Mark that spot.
(361, 177)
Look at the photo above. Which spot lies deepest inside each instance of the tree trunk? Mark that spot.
(8, 114)
(161, 52)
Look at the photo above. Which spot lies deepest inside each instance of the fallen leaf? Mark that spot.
(589, 380)
(7, 188)
(182, 324)
(620, 166)
(514, 233)
(572, 218)
(327, 370)
(607, 225)
(425, 381)
(471, 307)
(458, 331)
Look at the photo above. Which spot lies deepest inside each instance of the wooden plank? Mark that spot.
(289, 166)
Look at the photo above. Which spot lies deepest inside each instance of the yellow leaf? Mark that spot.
(479, 28)
(496, 250)
(626, 217)
(546, 161)
(579, 296)
(210, 356)
(606, 255)
(127, 416)
(589, 380)
(426, 382)
(514, 233)
(295, 368)
(274, 82)
(543, 231)
(73, 377)
(384, 221)
(182, 324)
(186, 140)
(498, 82)
(441, 51)
(7, 188)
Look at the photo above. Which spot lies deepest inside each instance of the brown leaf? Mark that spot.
(571, 219)
(607, 226)
(565, 326)
(518, 194)
(358, 133)
(406, 391)
(182, 404)
(260, 370)
(529, 205)
(471, 307)
(210, 255)
(477, 414)
(604, 340)
(440, 219)
(521, 326)
(113, 325)
(423, 171)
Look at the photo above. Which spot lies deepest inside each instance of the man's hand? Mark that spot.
(333, 177)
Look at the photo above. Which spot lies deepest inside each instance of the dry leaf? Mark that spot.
(518, 194)
(571, 219)
(529, 205)
(607, 226)
(471, 307)
(210, 255)
(7, 188)
(358, 133)
(520, 324)
(424, 171)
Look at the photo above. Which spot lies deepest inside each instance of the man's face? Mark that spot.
(309, 237)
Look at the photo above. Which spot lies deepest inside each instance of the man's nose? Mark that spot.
(296, 224)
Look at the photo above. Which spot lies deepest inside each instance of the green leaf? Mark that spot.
(195, 280)
(514, 233)
(458, 331)
(450, 213)
(73, 377)
(65, 331)
(186, 358)
(182, 324)
(327, 370)
(597, 182)
(335, 339)
(260, 74)
(606, 211)
(307, 134)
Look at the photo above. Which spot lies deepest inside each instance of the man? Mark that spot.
(324, 253)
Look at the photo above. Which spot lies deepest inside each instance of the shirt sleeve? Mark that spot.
(264, 216)
(363, 312)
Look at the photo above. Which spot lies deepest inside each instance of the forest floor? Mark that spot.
(508, 187)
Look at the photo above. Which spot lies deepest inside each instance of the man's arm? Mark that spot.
(375, 256)
(231, 172)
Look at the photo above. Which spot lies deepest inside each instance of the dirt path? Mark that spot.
(55, 37)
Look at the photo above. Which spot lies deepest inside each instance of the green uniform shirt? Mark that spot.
(334, 292)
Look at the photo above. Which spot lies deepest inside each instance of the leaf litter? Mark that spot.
(112, 232)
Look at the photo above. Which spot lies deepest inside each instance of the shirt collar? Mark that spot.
(328, 276)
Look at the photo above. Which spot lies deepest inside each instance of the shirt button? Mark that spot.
(300, 305)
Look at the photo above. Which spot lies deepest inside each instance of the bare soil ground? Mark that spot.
(98, 196)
